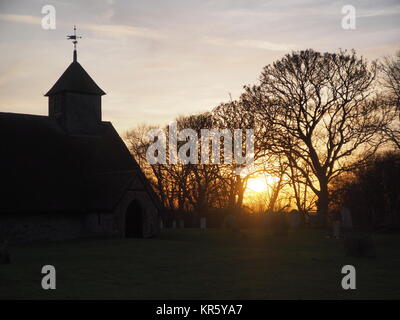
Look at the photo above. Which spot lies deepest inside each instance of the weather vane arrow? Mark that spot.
(74, 39)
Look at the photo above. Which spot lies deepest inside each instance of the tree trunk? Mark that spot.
(323, 199)
(275, 194)
(240, 194)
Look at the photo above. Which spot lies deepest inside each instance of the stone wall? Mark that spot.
(29, 227)
(17, 228)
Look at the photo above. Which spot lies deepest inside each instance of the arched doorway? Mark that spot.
(134, 220)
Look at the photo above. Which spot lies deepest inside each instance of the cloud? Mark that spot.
(379, 13)
(267, 45)
(20, 18)
(110, 30)
(249, 43)
(117, 30)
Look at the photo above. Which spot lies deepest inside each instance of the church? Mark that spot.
(69, 174)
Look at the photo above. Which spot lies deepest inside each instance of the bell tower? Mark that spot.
(75, 99)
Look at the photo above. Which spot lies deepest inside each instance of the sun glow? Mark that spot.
(260, 183)
(257, 184)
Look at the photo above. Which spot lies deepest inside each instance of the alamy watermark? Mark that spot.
(349, 18)
(49, 280)
(349, 280)
(196, 150)
(49, 18)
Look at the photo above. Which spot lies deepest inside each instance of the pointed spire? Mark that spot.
(74, 39)
(75, 79)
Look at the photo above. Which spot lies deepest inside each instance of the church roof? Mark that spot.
(75, 79)
(43, 169)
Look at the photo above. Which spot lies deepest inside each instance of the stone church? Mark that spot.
(69, 174)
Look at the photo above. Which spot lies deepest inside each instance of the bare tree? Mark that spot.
(390, 68)
(138, 143)
(233, 116)
(304, 200)
(390, 102)
(316, 111)
(203, 185)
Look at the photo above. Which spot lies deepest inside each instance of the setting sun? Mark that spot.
(257, 184)
(261, 183)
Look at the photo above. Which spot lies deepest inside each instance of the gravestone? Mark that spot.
(181, 223)
(347, 222)
(203, 223)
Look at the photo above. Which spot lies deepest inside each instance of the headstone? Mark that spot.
(203, 223)
(336, 229)
(181, 223)
(347, 221)
(174, 224)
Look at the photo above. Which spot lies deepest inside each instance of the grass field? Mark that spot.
(195, 264)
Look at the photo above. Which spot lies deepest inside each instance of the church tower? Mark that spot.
(75, 99)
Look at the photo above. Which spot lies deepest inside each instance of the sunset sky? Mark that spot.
(158, 59)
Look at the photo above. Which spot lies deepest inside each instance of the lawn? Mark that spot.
(196, 264)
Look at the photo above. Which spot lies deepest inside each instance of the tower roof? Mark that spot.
(75, 79)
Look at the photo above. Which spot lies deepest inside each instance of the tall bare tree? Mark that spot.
(316, 111)
(138, 143)
(390, 102)
(233, 116)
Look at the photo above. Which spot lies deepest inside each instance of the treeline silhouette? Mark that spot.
(327, 128)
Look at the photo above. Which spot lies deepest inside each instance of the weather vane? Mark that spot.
(74, 39)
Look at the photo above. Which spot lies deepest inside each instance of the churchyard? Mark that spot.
(203, 264)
